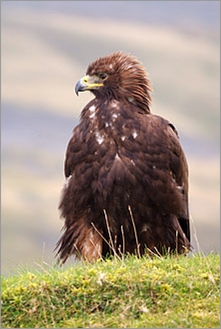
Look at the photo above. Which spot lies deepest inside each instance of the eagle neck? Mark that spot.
(137, 105)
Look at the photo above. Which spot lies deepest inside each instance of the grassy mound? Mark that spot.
(175, 292)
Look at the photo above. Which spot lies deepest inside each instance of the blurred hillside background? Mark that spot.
(46, 47)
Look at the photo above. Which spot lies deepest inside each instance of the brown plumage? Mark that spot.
(127, 176)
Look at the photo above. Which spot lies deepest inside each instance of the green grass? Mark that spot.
(174, 292)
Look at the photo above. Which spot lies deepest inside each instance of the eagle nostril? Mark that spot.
(85, 79)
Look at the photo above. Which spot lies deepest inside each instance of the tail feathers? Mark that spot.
(81, 240)
(182, 240)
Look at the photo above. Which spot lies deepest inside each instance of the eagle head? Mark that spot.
(118, 76)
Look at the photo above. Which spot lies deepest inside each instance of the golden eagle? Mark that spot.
(127, 175)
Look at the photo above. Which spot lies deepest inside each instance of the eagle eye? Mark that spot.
(102, 76)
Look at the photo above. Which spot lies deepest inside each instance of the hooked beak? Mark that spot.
(87, 83)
